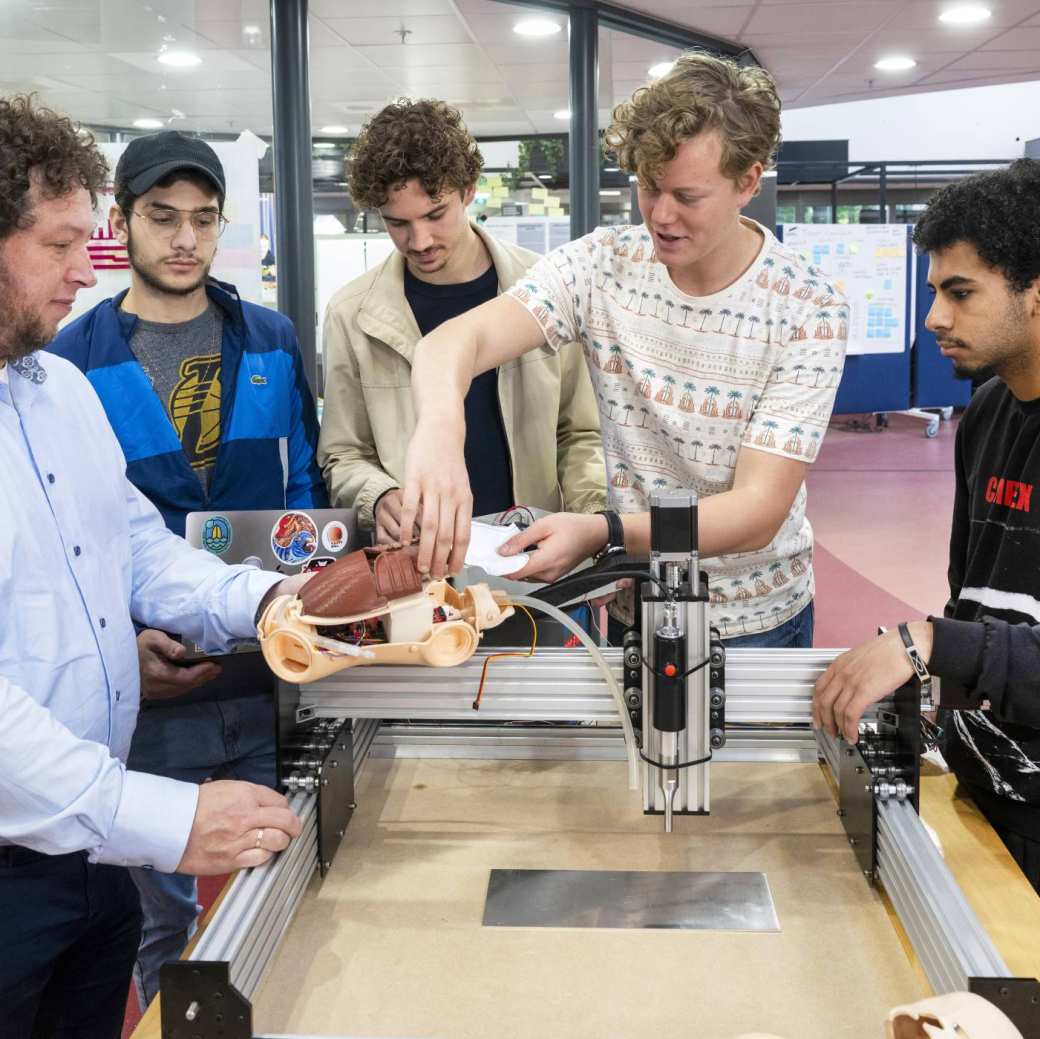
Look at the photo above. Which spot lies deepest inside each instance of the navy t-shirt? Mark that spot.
(487, 452)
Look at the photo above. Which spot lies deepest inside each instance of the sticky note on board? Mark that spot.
(535, 209)
(539, 193)
(500, 191)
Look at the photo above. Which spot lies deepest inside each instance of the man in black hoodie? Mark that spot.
(982, 237)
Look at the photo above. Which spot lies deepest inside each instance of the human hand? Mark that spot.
(561, 541)
(437, 485)
(862, 676)
(237, 825)
(161, 677)
(388, 519)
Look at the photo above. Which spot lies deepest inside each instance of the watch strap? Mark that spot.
(615, 532)
(914, 655)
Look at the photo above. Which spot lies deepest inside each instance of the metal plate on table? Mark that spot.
(629, 898)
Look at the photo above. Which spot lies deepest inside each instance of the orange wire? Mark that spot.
(501, 656)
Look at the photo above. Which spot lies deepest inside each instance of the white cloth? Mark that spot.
(485, 539)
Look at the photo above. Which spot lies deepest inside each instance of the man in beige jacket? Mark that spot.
(532, 427)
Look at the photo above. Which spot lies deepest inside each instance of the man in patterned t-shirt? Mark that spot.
(715, 354)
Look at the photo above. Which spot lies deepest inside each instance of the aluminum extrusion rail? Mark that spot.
(762, 685)
(945, 933)
(256, 910)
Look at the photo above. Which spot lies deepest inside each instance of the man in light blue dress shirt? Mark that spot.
(82, 553)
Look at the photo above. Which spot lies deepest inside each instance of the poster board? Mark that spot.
(238, 252)
(872, 265)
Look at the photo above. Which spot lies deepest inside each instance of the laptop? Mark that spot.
(286, 541)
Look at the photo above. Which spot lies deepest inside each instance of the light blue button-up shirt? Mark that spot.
(81, 552)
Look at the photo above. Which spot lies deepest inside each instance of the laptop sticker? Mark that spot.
(294, 538)
(319, 563)
(216, 534)
(334, 537)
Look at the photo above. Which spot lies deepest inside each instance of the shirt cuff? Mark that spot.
(957, 650)
(152, 824)
(245, 600)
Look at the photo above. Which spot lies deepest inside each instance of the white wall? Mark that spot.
(977, 123)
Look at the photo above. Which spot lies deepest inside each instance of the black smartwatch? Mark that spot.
(615, 535)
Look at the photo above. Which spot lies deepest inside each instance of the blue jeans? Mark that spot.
(795, 633)
(219, 739)
(68, 935)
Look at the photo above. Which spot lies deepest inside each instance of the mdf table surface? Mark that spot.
(392, 944)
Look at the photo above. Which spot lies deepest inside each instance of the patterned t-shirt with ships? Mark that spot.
(685, 383)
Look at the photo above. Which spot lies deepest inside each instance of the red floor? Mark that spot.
(880, 505)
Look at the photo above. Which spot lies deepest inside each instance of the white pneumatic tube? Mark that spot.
(604, 669)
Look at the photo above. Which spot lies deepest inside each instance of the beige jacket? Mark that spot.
(548, 406)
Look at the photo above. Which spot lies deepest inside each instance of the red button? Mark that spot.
(670, 670)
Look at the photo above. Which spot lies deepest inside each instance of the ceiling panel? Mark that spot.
(820, 18)
(388, 8)
(422, 30)
(98, 56)
(1021, 39)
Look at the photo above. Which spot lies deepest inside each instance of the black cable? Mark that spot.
(681, 764)
(685, 674)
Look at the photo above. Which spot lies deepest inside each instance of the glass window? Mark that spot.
(626, 62)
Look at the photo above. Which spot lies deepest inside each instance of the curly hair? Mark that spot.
(423, 140)
(701, 92)
(38, 145)
(997, 212)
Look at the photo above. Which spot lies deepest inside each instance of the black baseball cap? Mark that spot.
(148, 159)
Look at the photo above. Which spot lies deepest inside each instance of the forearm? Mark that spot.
(443, 367)
(998, 660)
(734, 521)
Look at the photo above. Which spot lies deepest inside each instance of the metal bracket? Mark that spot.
(857, 810)
(318, 757)
(1018, 998)
(717, 693)
(884, 764)
(335, 796)
(199, 1002)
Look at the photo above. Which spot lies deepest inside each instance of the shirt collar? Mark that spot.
(29, 368)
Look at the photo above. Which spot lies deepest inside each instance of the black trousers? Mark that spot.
(69, 932)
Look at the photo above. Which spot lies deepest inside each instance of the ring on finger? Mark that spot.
(259, 838)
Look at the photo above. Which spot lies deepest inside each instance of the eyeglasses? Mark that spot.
(165, 223)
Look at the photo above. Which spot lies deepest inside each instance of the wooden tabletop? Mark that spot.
(407, 884)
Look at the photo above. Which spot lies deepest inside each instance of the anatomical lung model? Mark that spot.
(374, 607)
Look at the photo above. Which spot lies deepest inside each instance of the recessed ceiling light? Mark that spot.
(179, 59)
(563, 113)
(895, 63)
(965, 14)
(660, 69)
(148, 124)
(537, 27)
(609, 192)
(324, 144)
(251, 30)
(335, 129)
(545, 176)
(611, 169)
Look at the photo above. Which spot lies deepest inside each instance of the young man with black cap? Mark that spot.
(207, 396)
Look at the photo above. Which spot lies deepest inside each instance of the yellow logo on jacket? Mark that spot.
(195, 408)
